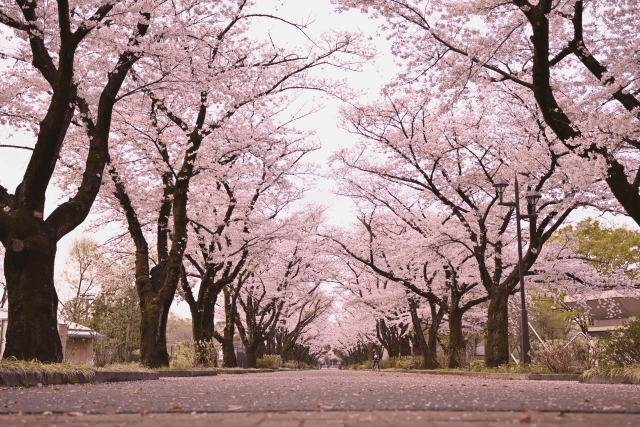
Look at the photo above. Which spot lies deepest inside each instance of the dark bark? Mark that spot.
(32, 316)
(259, 321)
(426, 348)
(202, 317)
(625, 191)
(251, 355)
(157, 287)
(153, 329)
(496, 347)
(226, 338)
(457, 344)
(287, 340)
(211, 284)
(393, 338)
(30, 241)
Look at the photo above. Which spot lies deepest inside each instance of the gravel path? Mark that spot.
(325, 390)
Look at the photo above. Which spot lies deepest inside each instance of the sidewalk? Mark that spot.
(334, 419)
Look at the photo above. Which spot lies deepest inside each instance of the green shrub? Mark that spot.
(512, 368)
(402, 362)
(184, 356)
(620, 347)
(584, 354)
(207, 353)
(269, 361)
(291, 364)
(628, 374)
(557, 358)
(389, 363)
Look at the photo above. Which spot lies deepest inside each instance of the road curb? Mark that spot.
(607, 380)
(214, 372)
(502, 376)
(28, 379)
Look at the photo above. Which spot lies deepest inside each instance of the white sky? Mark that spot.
(14, 161)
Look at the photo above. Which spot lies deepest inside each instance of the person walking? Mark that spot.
(376, 362)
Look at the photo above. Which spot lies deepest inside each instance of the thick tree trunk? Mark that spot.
(32, 331)
(251, 355)
(426, 348)
(405, 346)
(388, 337)
(496, 346)
(202, 326)
(456, 338)
(228, 354)
(153, 333)
(261, 351)
(226, 339)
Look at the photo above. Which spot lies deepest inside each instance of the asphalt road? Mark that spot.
(325, 391)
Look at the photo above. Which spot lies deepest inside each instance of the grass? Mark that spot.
(125, 367)
(629, 373)
(71, 371)
(511, 368)
(197, 368)
(477, 366)
(47, 371)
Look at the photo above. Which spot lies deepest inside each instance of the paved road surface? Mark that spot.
(346, 396)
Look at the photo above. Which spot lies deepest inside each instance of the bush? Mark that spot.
(620, 347)
(207, 353)
(557, 358)
(584, 354)
(627, 374)
(367, 365)
(291, 364)
(269, 361)
(402, 362)
(183, 356)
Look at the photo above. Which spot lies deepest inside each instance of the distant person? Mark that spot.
(376, 362)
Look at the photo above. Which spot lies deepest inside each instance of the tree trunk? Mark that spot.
(251, 356)
(427, 349)
(261, 351)
(388, 338)
(153, 333)
(405, 346)
(228, 351)
(229, 354)
(202, 326)
(32, 331)
(456, 338)
(496, 346)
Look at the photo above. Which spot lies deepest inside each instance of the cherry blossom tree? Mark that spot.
(69, 65)
(296, 330)
(282, 279)
(429, 269)
(429, 169)
(578, 60)
(197, 113)
(240, 214)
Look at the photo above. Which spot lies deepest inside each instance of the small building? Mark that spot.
(607, 311)
(76, 339)
(76, 342)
